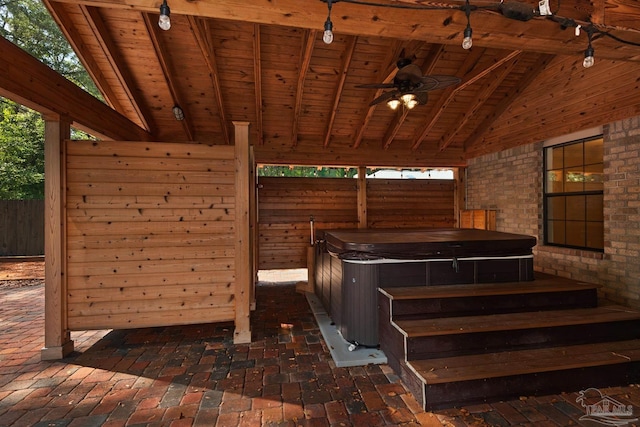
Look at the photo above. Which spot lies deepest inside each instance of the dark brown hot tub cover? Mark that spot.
(425, 243)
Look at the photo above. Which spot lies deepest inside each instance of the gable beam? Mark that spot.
(257, 78)
(468, 78)
(309, 39)
(161, 54)
(524, 82)
(481, 97)
(432, 26)
(346, 62)
(202, 33)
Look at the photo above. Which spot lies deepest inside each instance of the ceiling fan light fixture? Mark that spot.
(407, 98)
(411, 104)
(393, 104)
(164, 21)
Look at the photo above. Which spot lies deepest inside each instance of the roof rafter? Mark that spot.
(524, 82)
(160, 51)
(101, 34)
(468, 78)
(257, 78)
(389, 73)
(346, 62)
(427, 68)
(202, 33)
(479, 100)
(309, 40)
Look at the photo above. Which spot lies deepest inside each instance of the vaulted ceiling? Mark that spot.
(264, 61)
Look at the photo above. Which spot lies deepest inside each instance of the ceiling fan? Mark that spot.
(409, 86)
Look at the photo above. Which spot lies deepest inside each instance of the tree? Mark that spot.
(21, 153)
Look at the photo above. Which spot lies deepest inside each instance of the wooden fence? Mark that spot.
(21, 227)
(286, 205)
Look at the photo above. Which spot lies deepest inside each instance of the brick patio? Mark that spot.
(194, 375)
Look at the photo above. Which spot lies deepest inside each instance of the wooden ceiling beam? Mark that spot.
(59, 14)
(427, 68)
(309, 40)
(29, 82)
(202, 33)
(161, 54)
(257, 78)
(116, 63)
(481, 97)
(517, 90)
(433, 26)
(346, 62)
(468, 79)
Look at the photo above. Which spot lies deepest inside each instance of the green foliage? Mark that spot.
(21, 153)
(307, 171)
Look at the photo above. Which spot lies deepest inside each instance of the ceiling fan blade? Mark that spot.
(410, 73)
(384, 97)
(422, 98)
(434, 82)
(377, 86)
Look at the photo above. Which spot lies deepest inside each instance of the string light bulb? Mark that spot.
(164, 21)
(327, 36)
(467, 42)
(589, 60)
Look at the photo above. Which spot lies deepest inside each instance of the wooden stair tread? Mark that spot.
(521, 362)
(512, 321)
(544, 284)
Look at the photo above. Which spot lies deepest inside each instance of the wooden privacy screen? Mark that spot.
(150, 236)
(285, 206)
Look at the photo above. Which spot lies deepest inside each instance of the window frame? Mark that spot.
(546, 196)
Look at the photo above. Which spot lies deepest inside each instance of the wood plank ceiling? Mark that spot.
(264, 62)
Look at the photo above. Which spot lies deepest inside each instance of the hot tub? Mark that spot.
(352, 264)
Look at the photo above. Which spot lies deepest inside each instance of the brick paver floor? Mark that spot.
(195, 375)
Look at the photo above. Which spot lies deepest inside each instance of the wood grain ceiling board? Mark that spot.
(253, 60)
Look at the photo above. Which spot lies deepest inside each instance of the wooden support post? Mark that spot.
(459, 194)
(57, 339)
(244, 270)
(362, 197)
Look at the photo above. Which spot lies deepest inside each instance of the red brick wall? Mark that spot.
(511, 183)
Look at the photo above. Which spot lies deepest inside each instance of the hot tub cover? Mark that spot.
(425, 243)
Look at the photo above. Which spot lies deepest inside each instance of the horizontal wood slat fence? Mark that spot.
(150, 234)
(21, 227)
(285, 206)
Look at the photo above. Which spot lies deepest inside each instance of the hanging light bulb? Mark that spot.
(165, 21)
(588, 57)
(467, 42)
(393, 104)
(410, 104)
(327, 36)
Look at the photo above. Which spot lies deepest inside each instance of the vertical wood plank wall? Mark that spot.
(286, 204)
(150, 234)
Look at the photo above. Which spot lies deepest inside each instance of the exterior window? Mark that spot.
(573, 195)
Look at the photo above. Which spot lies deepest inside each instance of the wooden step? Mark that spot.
(544, 293)
(450, 336)
(461, 380)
